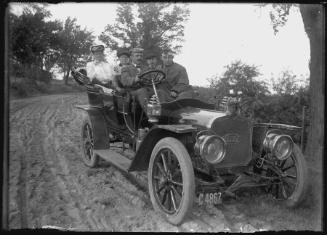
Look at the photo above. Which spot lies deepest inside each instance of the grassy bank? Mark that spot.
(22, 87)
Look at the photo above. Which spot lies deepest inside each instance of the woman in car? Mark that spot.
(99, 70)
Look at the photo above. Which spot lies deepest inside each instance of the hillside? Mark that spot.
(22, 87)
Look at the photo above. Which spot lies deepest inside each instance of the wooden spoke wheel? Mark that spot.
(89, 158)
(292, 183)
(171, 180)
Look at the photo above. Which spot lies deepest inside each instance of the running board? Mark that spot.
(114, 158)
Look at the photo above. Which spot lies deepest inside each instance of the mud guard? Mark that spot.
(142, 156)
(101, 135)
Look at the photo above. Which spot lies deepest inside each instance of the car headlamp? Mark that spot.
(211, 148)
(279, 145)
(153, 111)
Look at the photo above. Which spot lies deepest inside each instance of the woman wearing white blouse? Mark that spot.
(100, 70)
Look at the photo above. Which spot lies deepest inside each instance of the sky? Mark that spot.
(215, 35)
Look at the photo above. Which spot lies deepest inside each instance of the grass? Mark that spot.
(258, 206)
(22, 87)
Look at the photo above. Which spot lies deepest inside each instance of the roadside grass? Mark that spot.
(22, 88)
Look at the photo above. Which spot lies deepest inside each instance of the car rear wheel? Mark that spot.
(292, 183)
(89, 158)
(171, 180)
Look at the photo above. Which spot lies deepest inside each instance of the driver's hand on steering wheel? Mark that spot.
(173, 94)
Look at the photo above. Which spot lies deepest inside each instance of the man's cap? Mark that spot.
(150, 55)
(95, 48)
(137, 50)
(123, 51)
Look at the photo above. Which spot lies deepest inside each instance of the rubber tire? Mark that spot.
(302, 174)
(93, 162)
(188, 179)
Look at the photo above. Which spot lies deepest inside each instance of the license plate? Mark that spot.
(213, 198)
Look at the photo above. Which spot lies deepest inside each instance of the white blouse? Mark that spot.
(103, 71)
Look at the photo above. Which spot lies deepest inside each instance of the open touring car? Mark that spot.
(190, 150)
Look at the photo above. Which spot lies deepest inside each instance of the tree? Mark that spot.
(241, 77)
(285, 84)
(32, 37)
(74, 45)
(313, 20)
(157, 25)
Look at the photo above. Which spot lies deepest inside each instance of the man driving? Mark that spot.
(152, 61)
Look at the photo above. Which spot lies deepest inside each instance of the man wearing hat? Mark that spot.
(152, 61)
(176, 82)
(129, 77)
(129, 73)
(123, 55)
(99, 70)
(152, 64)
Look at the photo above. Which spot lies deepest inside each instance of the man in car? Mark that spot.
(129, 77)
(152, 61)
(176, 82)
(123, 55)
(129, 72)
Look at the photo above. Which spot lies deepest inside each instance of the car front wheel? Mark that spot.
(171, 180)
(292, 182)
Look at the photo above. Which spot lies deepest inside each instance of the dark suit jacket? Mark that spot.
(176, 78)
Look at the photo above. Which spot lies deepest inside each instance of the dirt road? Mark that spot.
(50, 185)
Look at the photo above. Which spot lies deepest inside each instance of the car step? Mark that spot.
(114, 158)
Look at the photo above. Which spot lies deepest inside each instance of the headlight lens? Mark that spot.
(212, 148)
(280, 145)
(153, 109)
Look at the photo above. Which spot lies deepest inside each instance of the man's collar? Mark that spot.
(170, 64)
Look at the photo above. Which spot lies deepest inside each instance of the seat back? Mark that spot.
(95, 98)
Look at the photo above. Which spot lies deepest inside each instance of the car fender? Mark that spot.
(143, 154)
(98, 122)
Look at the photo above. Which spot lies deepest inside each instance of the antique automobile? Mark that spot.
(192, 151)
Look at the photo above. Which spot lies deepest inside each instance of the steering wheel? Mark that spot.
(154, 75)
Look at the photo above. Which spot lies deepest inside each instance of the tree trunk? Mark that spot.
(312, 16)
(66, 75)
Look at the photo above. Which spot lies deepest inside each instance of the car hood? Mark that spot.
(191, 111)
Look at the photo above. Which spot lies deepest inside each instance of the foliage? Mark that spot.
(241, 77)
(278, 15)
(286, 84)
(38, 44)
(156, 26)
(74, 44)
(31, 36)
(206, 94)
